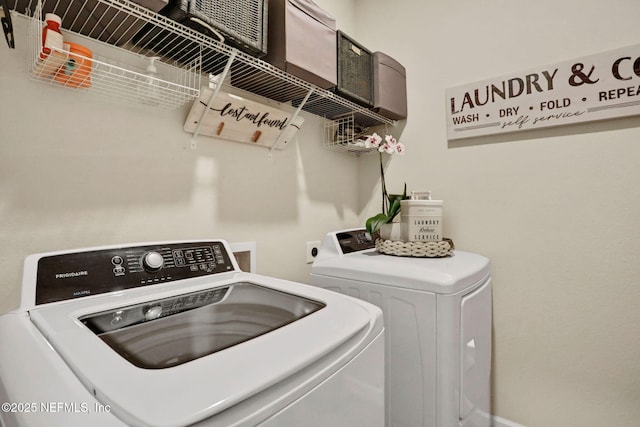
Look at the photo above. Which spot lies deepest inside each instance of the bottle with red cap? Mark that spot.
(51, 35)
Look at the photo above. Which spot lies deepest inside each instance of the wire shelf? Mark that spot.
(344, 134)
(184, 54)
(76, 67)
(144, 33)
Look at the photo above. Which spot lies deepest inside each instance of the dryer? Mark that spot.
(174, 334)
(437, 315)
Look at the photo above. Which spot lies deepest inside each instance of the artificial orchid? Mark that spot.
(391, 146)
(390, 203)
(372, 141)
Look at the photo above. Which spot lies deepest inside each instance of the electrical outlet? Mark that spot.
(312, 250)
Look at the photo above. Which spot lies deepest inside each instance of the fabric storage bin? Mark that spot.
(302, 41)
(389, 87)
(242, 23)
(355, 73)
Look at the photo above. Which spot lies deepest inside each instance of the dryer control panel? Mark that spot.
(78, 274)
(354, 241)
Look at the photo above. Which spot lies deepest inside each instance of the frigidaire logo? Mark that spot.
(72, 274)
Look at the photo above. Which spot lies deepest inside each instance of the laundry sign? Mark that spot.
(597, 87)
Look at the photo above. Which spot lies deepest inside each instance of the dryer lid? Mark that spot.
(350, 254)
(446, 275)
(200, 388)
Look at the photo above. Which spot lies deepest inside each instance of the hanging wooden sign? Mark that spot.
(235, 118)
(591, 88)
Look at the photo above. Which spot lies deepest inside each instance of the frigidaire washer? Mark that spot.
(174, 334)
(437, 315)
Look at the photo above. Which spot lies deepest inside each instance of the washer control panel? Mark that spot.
(78, 274)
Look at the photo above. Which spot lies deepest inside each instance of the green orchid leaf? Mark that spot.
(394, 203)
(394, 208)
(375, 222)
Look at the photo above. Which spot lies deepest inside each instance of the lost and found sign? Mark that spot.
(595, 87)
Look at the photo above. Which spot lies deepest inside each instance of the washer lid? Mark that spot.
(446, 275)
(171, 331)
(197, 389)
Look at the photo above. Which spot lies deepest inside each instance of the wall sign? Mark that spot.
(596, 87)
(235, 118)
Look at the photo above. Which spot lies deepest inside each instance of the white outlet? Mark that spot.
(312, 250)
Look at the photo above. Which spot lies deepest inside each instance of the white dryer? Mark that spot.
(174, 334)
(437, 315)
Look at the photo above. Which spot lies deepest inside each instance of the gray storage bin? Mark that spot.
(355, 73)
(389, 87)
(243, 23)
(302, 41)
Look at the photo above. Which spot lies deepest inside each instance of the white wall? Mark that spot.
(555, 210)
(78, 171)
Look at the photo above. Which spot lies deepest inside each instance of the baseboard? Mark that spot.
(501, 422)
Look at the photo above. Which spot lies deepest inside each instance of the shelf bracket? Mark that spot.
(291, 121)
(214, 95)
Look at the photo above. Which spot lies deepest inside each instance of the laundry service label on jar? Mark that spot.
(597, 87)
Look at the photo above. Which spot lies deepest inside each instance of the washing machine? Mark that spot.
(437, 315)
(174, 334)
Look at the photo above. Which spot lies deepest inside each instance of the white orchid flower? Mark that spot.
(373, 141)
(391, 146)
(390, 140)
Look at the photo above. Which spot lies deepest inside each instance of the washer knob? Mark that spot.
(152, 261)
